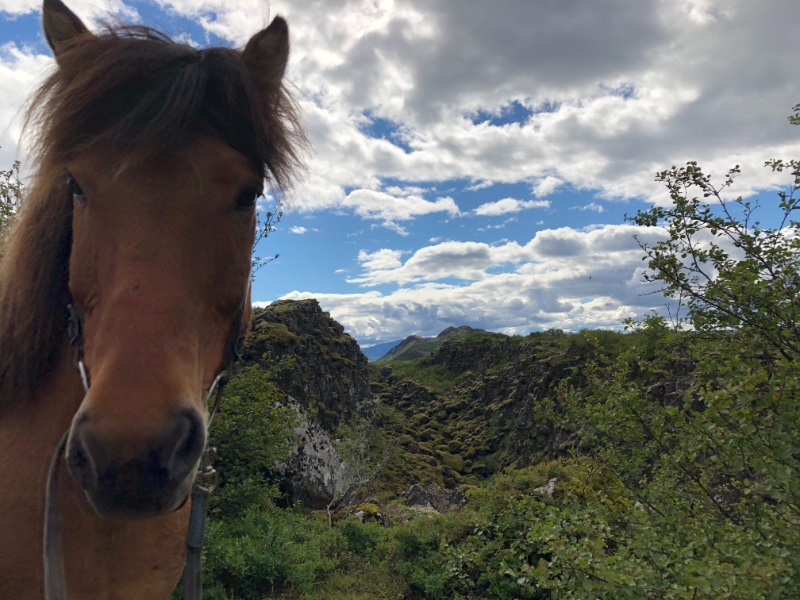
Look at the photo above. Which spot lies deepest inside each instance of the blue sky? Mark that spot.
(472, 163)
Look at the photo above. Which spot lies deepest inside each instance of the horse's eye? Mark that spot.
(247, 199)
(76, 191)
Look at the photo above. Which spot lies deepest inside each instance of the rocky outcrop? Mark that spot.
(316, 362)
(316, 470)
(322, 371)
(443, 500)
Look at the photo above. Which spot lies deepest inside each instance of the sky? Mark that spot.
(472, 163)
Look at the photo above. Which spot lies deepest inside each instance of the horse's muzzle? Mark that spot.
(153, 480)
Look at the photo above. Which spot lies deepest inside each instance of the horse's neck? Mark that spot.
(48, 413)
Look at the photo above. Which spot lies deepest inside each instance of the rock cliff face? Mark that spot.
(319, 365)
(322, 371)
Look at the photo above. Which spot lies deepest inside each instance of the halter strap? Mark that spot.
(55, 582)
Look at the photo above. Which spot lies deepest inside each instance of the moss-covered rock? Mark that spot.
(454, 461)
(478, 404)
(318, 364)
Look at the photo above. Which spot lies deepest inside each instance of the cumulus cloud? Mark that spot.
(594, 206)
(479, 186)
(609, 93)
(297, 229)
(509, 205)
(564, 278)
(20, 72)
(546, 186)
(605, 94)
(563, 250)
(371, 204)
(618, 93)
(89, 11)
(380, 260)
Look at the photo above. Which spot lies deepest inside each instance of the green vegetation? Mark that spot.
(252, 431)
(11, 193)
(660, 463)
(436, 377)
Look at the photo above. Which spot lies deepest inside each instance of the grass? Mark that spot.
(435, 377)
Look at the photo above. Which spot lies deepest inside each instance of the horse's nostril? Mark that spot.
(189, 442)
(80, 462)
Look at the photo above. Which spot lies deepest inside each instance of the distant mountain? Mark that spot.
(375, 352)
(415, 346)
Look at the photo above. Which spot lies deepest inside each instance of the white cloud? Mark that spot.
(546, 186)
(371, 204)
(563, 250)
(620, 93)
(380, 260)
(89, 11)
(500, 226)
(392, 226)
(404, 191)
(545, 283)
(509, 205)
(297, 229)
(21, 71)
(479, 186)
(591, 206)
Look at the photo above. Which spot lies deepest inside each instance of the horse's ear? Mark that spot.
(61, 26)
(268, 51)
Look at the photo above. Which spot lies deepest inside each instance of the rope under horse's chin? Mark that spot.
(55, 583)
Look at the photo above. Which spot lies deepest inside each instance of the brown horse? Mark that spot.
(151, 156)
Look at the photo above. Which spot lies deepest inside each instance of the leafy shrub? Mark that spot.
(361, 539)
(267, 550)
(252, 432)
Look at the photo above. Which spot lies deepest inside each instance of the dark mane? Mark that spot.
(135, 89)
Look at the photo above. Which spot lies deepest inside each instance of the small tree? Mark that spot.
(11, 192)
(264, 226)
(361, 464)
(731, 271)
(253, 431)
(700, 421)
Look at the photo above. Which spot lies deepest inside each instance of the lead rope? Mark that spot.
(204, 484)
(55, 582)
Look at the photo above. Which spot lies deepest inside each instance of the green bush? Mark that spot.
(266, 551)
(252, 432)
(361, 539)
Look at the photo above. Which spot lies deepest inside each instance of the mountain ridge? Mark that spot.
(415, 346)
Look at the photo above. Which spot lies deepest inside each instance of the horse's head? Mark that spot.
(164, 151)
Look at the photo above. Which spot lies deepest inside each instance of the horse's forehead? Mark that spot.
(206, 159)
(213, 156)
